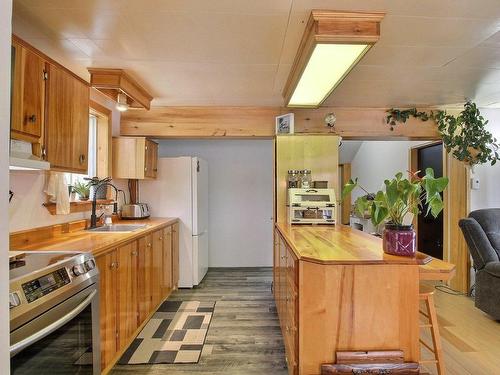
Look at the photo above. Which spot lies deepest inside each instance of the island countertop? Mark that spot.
(65, 237)
(339, 244)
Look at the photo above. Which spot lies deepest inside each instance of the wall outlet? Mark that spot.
(474, 183)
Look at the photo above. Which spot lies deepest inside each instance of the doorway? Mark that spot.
(430, 230)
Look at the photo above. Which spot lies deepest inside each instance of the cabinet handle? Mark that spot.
(43, 152)
(145, 169)
(82, 158)
(149, 244)
(113, 265)
(32, 119)
(134, 253)
(161, 238)
(155, 170)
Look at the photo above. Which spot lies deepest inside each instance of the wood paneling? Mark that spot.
(259, 122)
(201, 122)
(363, 124)
(112, 81)
(362, 307)
(456, 207)
(67, 121)
(345, 204)
(28, 95)
(317, 153)
(325, 26)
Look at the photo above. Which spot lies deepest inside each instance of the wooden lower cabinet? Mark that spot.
(286, 296)
(134, 279)
(108, 306)
(175, 255)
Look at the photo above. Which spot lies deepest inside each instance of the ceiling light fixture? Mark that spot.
(121, 102)
(332, 44)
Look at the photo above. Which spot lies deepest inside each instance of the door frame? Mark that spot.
(455, 248)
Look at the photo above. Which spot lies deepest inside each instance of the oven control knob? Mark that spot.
(14, 300)
(78, 270)
(89, 264)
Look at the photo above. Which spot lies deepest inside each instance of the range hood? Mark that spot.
(21, 157)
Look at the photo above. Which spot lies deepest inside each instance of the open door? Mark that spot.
(456, 200)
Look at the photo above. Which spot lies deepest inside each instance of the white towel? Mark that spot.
(57, 190)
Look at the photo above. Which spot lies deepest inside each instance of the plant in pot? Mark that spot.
(82, 189)
(401, 197)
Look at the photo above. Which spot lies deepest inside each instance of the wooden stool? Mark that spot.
(427, 295)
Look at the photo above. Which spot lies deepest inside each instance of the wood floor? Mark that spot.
(244, 336)
(471, 340)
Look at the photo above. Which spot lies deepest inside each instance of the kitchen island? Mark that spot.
(335, 290)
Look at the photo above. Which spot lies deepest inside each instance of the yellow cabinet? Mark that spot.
(134, 158)
(67, 121)
(28, 95)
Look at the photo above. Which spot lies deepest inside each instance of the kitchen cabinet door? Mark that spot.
(166, 274)
(127, 262)
(175, 255)
(28, 95)
(108, 306)
(134, 158)
(276, 263)
(67, 121)
(151, 159)
(156, 268)
(144, 296)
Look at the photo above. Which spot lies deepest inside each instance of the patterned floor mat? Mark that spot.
(175, 334)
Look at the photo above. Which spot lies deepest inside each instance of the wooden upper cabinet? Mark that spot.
(28, 94)
(134, 158)
(67, 121)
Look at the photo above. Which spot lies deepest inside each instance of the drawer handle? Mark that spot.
(32, 119)
(82, 159)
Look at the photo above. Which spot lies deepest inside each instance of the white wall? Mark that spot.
(488, 194)
(240, 198)
(5, 55)
(376, 161)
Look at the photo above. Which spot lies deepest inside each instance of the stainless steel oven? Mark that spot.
(54, 313)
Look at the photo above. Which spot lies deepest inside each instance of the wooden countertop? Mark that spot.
(82, 240)
(341, 244)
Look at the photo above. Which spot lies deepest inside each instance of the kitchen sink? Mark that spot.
(118, 228)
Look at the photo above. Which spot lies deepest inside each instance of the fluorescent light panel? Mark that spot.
(327, 66)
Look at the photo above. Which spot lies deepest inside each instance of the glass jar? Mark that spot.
(305, 179)
(293, 179)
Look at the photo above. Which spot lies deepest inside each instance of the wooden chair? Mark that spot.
(427, 295)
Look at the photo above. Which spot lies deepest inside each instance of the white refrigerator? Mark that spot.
(181, 190)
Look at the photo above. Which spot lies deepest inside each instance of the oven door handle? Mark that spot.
(17, 347)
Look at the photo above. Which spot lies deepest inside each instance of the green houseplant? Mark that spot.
(464, 136)
(82, 189)
(401, 196)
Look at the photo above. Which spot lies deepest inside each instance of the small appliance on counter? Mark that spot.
(311, 206)
(135, 211)
(54, 313)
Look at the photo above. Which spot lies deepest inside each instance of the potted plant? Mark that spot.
(401, 197)
(82, 189)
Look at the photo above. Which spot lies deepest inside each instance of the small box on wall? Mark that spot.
(285, 124)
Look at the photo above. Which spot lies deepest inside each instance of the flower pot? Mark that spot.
(399, 240)
(84, 199)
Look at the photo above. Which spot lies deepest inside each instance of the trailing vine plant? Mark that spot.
(464, 136)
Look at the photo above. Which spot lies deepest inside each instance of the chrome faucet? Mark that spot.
(97, 185)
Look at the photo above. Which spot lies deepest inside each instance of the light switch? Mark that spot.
(475, 183)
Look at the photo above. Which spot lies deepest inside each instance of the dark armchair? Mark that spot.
(482, 233)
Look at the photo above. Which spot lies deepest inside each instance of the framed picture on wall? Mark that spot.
(284, 124)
